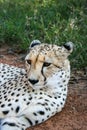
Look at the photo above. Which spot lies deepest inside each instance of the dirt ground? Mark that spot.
(74, 114)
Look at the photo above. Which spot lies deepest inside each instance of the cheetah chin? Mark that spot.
(32, 95)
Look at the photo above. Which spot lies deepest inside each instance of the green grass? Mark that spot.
(52, 21)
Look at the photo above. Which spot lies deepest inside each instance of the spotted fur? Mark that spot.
(32, 95)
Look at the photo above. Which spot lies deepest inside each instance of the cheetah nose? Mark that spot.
(32, 81)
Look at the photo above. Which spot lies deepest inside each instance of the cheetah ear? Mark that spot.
(69, 46)
(34, 43)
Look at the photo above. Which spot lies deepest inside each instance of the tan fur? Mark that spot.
(39, 54)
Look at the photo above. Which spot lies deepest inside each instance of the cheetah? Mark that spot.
(32, 95)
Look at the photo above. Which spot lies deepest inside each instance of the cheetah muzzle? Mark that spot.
(32, 95)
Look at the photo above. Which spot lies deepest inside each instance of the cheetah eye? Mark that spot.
(46, 64)
(29, 62)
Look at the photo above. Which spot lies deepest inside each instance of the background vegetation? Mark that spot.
(52, 21)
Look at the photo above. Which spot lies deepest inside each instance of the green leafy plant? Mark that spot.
(52, 21)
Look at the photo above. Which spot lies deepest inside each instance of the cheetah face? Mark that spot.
(44, 62)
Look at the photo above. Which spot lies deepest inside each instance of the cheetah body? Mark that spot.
(32, 95)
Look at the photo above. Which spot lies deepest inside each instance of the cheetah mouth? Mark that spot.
(36, 86)
(39, 86)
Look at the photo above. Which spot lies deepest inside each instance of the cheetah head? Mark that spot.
(44, 63)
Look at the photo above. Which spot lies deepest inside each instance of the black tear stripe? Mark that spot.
(30, 122)
(10, 124)
(43, 74)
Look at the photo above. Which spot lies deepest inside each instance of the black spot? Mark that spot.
(23, 125)
(63, 99)
(62, 73)
(46, 103)
(16, 100)
(9, 91)
(33, 90)
(5, 112)
(15, 88)
(5, 96)
(24, 99)
(24, 87)
(9, 104)
(61, 86)
(9, 100)
(57, 105)
(55, 97)
(41, 112)
(12, 109)
(0, 97)
(18, 95)
(36, 122)
(35, 114)
(49, 96)
(2, 105)
(9, 82)
(19, 89)
(64, 80)
(41, 89)
(64, 94)
(41, 98)
(40, 93)
(26, 84)
(64, 89)
(3, 90)
(12, 94)
(42, 120)
(61, 103)
(4, 93)
(28, 91)
(53, 113)
(43, 104)
(17, 109)
(10, 124)
(49, 109)
(30, 98)
(30, 122)
(52, 105)
(46, 109)
(48, 116)
(47, 100)
(25, 90)
(5, 99)
(28, 103)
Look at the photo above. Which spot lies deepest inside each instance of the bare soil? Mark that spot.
(74, 114)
